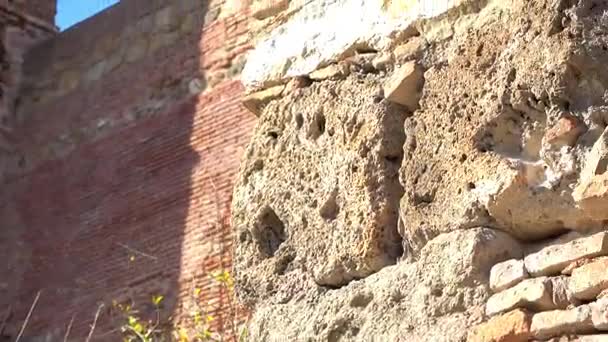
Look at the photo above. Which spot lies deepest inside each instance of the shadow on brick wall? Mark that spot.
(128, 161)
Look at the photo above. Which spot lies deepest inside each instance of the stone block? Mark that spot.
(320, 182)
(313, 37)
(592, 197)
(591, 194)
(565, 132)
(553, 259)
(599, 314)
(576, 264)
(589, 280)
(409, 50)
(262, 9)
(561, 322)
(405, 85)
(506, 274)
(255, 102)
(334, 71)
(534, 294)
(513, 326)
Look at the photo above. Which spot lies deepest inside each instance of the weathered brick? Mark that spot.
(561, 322)
(590, 279)
(513, 326)
(534, 294)
(255, 102)
(506, 274)
(554, 258)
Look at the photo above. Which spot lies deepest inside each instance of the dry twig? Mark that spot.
(94, 323)
(27, 318)
(67, 331)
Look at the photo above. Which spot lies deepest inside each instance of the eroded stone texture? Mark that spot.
(479, 156)
(428, 300)
(512, 104)
(319, 188)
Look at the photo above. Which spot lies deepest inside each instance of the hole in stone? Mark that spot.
(299, 120)
(273, 134)
(329, 210)
(269, 231)
(244, 236)
(282, 265)
(393, 159)
(361, 299)
(320, 122)
(437, 292)
(470, 186)
(317, 127)
(258, 165)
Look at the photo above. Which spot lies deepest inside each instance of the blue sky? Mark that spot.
(70, 12)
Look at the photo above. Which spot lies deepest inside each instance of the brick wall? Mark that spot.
(128, 137)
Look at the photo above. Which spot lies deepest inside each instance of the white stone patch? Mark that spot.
(322, 31)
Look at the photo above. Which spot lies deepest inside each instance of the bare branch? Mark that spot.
(27, 318)
(67, 331)
(94, 323)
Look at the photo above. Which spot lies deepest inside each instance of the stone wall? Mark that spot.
(22, 26)
(127, 142)
(425, 171)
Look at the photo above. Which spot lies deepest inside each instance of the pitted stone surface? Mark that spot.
(512, 104)
(319, 188)
(426, 300)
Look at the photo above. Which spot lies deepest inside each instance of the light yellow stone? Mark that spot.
(330, 72)
(589, 280)
(255, 102)
(556, 257)
(405, 85)
(532, 294)
(560, 322)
